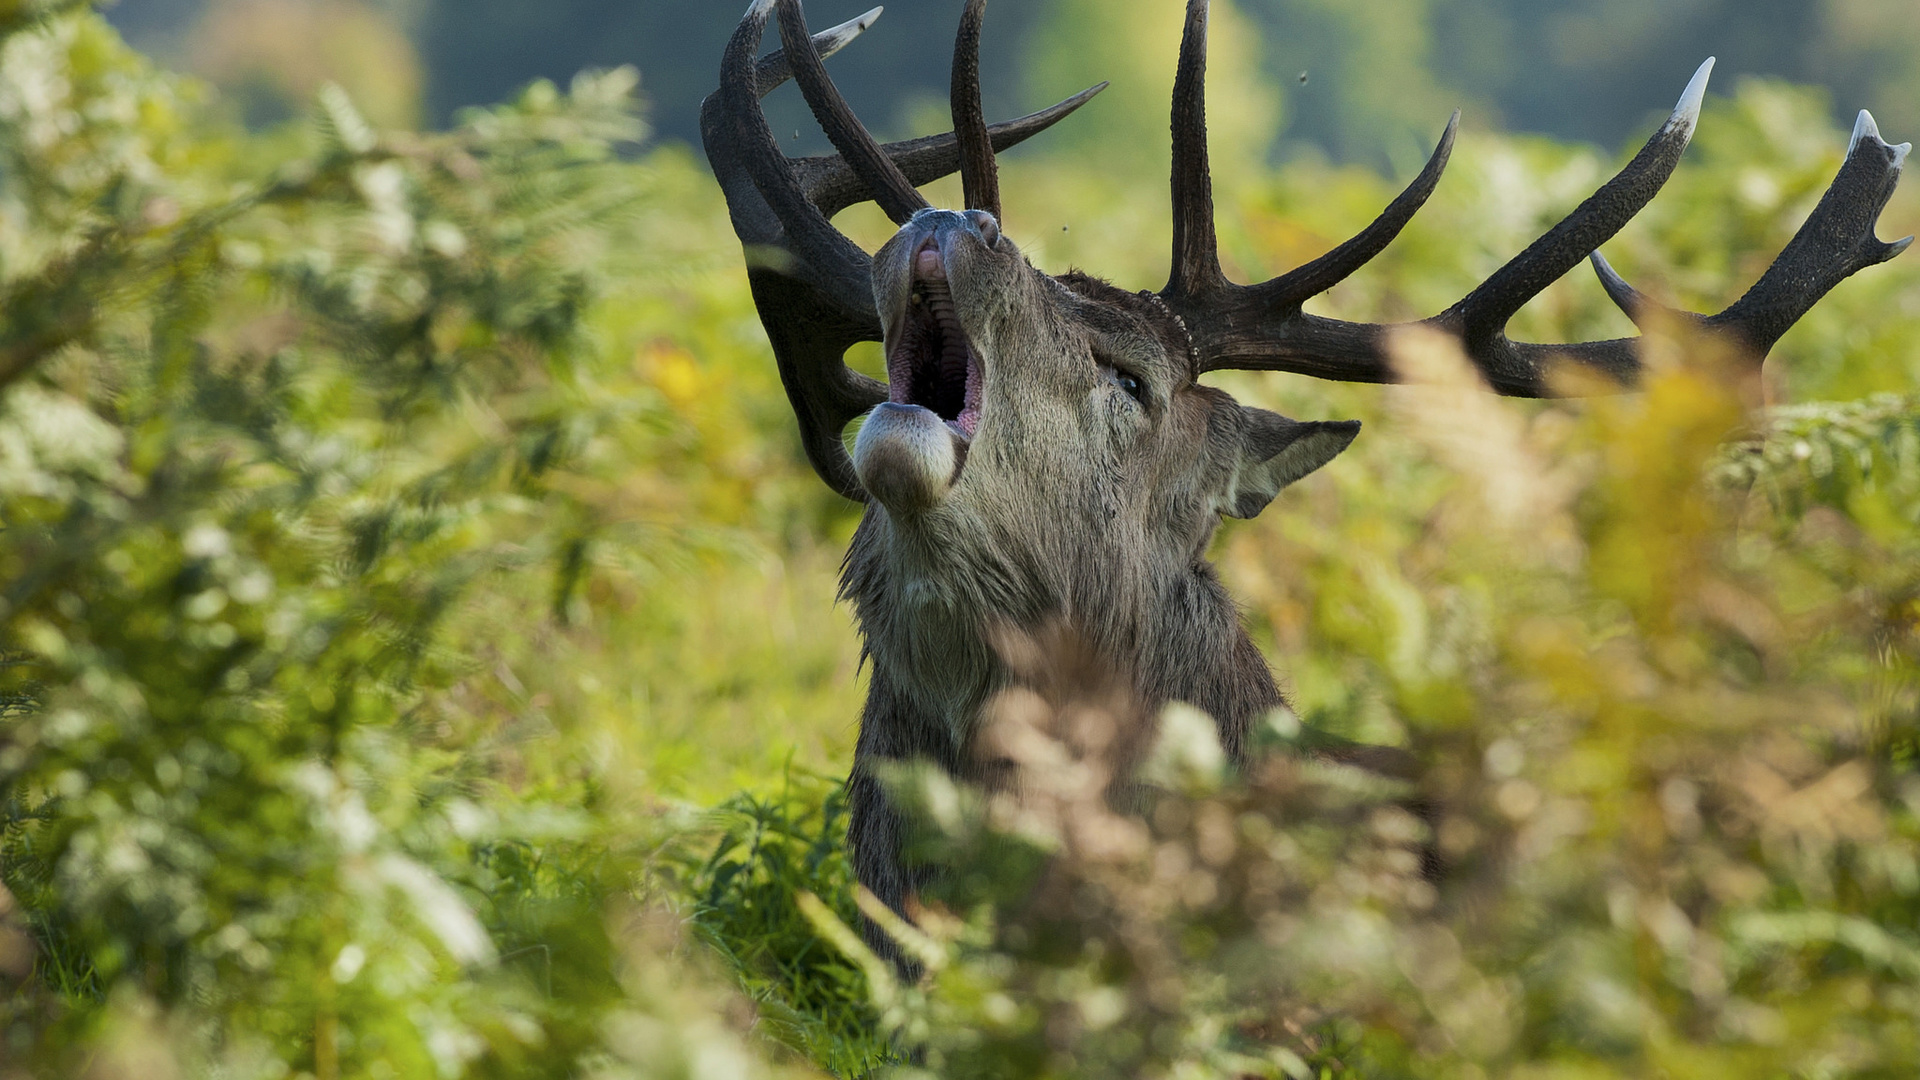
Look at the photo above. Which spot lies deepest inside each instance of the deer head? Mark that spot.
(1043, 450)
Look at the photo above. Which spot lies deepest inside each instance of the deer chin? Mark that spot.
(931, 363)
(907, 457)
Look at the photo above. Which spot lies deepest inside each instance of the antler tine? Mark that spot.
(1233, 331)
(1297, 286)
(1624, 296)
(979, 172)
(833, 187)
(1836, 242)
(896, 196)
(1196, 249)
(1482, 314)
(740, 137)
(813, 286)
(774, 69)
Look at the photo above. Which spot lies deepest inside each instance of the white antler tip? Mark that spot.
(1862, 128)
(1900, 154)
(832, 40)
(1687, 113)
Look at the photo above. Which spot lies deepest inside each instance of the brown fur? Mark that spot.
(1077, 506)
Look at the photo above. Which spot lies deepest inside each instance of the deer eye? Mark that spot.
(1129, 383)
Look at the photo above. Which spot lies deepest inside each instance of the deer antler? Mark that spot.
(979, 173)
(1836, 242)
(812, 284)
(1262, 327)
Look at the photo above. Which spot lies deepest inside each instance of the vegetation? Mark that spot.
(420, 656)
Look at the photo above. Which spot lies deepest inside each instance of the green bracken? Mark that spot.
(420, 657)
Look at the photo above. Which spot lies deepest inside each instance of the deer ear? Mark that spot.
(1276, 451)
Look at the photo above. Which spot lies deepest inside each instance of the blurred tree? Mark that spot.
(481, 50)
(1357, 75)
(1380, 75)
(270, 56)
(1135, 45)
(1872, 49)
(1593, 70)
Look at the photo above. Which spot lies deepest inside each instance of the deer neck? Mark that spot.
(932, 597)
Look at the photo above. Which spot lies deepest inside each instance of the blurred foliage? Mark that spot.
(418, 653)
(333, 470)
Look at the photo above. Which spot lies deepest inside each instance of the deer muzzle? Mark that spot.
(931, 362)
(911, 449)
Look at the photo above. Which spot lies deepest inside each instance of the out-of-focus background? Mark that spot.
(1358, 80)
(419, 654)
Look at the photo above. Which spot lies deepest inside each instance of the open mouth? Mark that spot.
(932, 364)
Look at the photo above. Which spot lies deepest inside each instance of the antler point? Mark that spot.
(1624, 296)
(1687, 113)
(1609, 277)
(1863, 128)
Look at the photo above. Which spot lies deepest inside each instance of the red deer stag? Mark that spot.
(1043, 451)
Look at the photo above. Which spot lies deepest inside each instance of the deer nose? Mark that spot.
(933, 224)
(985, 224)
